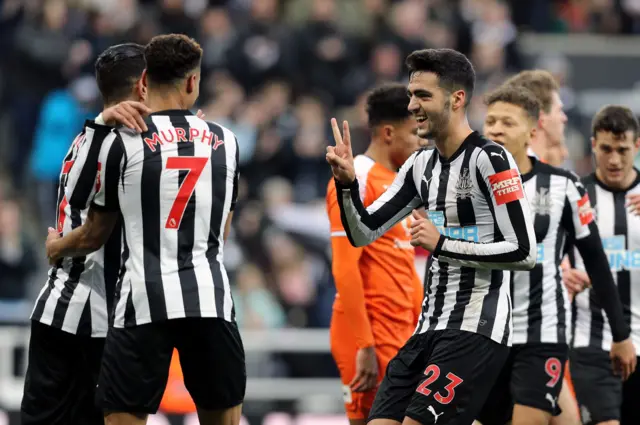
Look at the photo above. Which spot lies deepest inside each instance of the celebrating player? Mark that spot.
(603, 397)
(478, 226)
(548, 145)
(379, 295)
(548, 141)
(532, 377)
(70, 319)
(175, 186)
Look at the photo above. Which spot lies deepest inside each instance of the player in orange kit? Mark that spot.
(379, 292)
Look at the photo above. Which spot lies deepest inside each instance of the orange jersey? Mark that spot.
(377, 282)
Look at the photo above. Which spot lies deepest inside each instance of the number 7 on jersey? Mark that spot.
(194, 165)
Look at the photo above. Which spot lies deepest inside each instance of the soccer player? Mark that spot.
(380, 294)
(175, 186)
(548, 145)
(478, 226)
(601, 393)
(532, 377)
(548, 142)
(69, 321)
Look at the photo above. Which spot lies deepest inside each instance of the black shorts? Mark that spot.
(601, 395)
(61, 378)
(135, 365)
(439, 377)
(532, 376)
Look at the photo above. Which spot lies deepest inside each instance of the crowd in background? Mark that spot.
(274, 72)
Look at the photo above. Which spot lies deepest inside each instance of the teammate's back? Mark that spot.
(174, 186)
(176, 193)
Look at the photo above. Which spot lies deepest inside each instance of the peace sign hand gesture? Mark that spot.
(340, 156)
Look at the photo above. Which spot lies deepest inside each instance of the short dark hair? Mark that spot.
(539, 82)
(171, 57)
(454, 70)
(117, 70)
(615, 119)
(388, 102)
(518, 96)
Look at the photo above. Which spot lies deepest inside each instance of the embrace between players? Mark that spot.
(487, 243)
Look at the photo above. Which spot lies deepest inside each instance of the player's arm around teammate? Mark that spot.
(100, 221)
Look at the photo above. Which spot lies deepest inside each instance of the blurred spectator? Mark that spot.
(256, 307)
(263, 49)
(61, 112)
(17, 263)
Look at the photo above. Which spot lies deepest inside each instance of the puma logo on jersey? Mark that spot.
(497, 154)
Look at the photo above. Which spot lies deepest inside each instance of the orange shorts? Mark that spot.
(344, 349)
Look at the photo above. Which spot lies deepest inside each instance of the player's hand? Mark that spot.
(423, 232)
(575, 280)
(128, 113)
(366, 370)
(623, 358)
(633, 202)
(340, 156)
(200, 114)
(52, 236)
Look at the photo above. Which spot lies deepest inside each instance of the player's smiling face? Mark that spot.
(510, 126)
(614, 155)
(429, 103)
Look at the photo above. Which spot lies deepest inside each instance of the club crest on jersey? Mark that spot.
(464, 185)
(542, 203)
(585, 211)
(506, 186)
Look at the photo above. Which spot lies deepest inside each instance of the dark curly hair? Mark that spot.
(388, 102)
(615, 119)
(454, 70)
(171, 57)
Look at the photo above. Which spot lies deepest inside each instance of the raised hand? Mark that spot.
(340, 156)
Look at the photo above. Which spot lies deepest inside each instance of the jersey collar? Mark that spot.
(173, 112)
(461, 148)
(535, 167)
(610, 189)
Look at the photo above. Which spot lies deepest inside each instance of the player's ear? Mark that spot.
(387, 133)
(637, 144)
(533, 131)
(141, 90)
(593, 143)
(191, 83)
(143, 79)
(458, 99)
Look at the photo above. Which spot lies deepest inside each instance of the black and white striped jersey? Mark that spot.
(175, 186)
(79, 291)
(620, 231)
(477, 202)
(561, 212)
